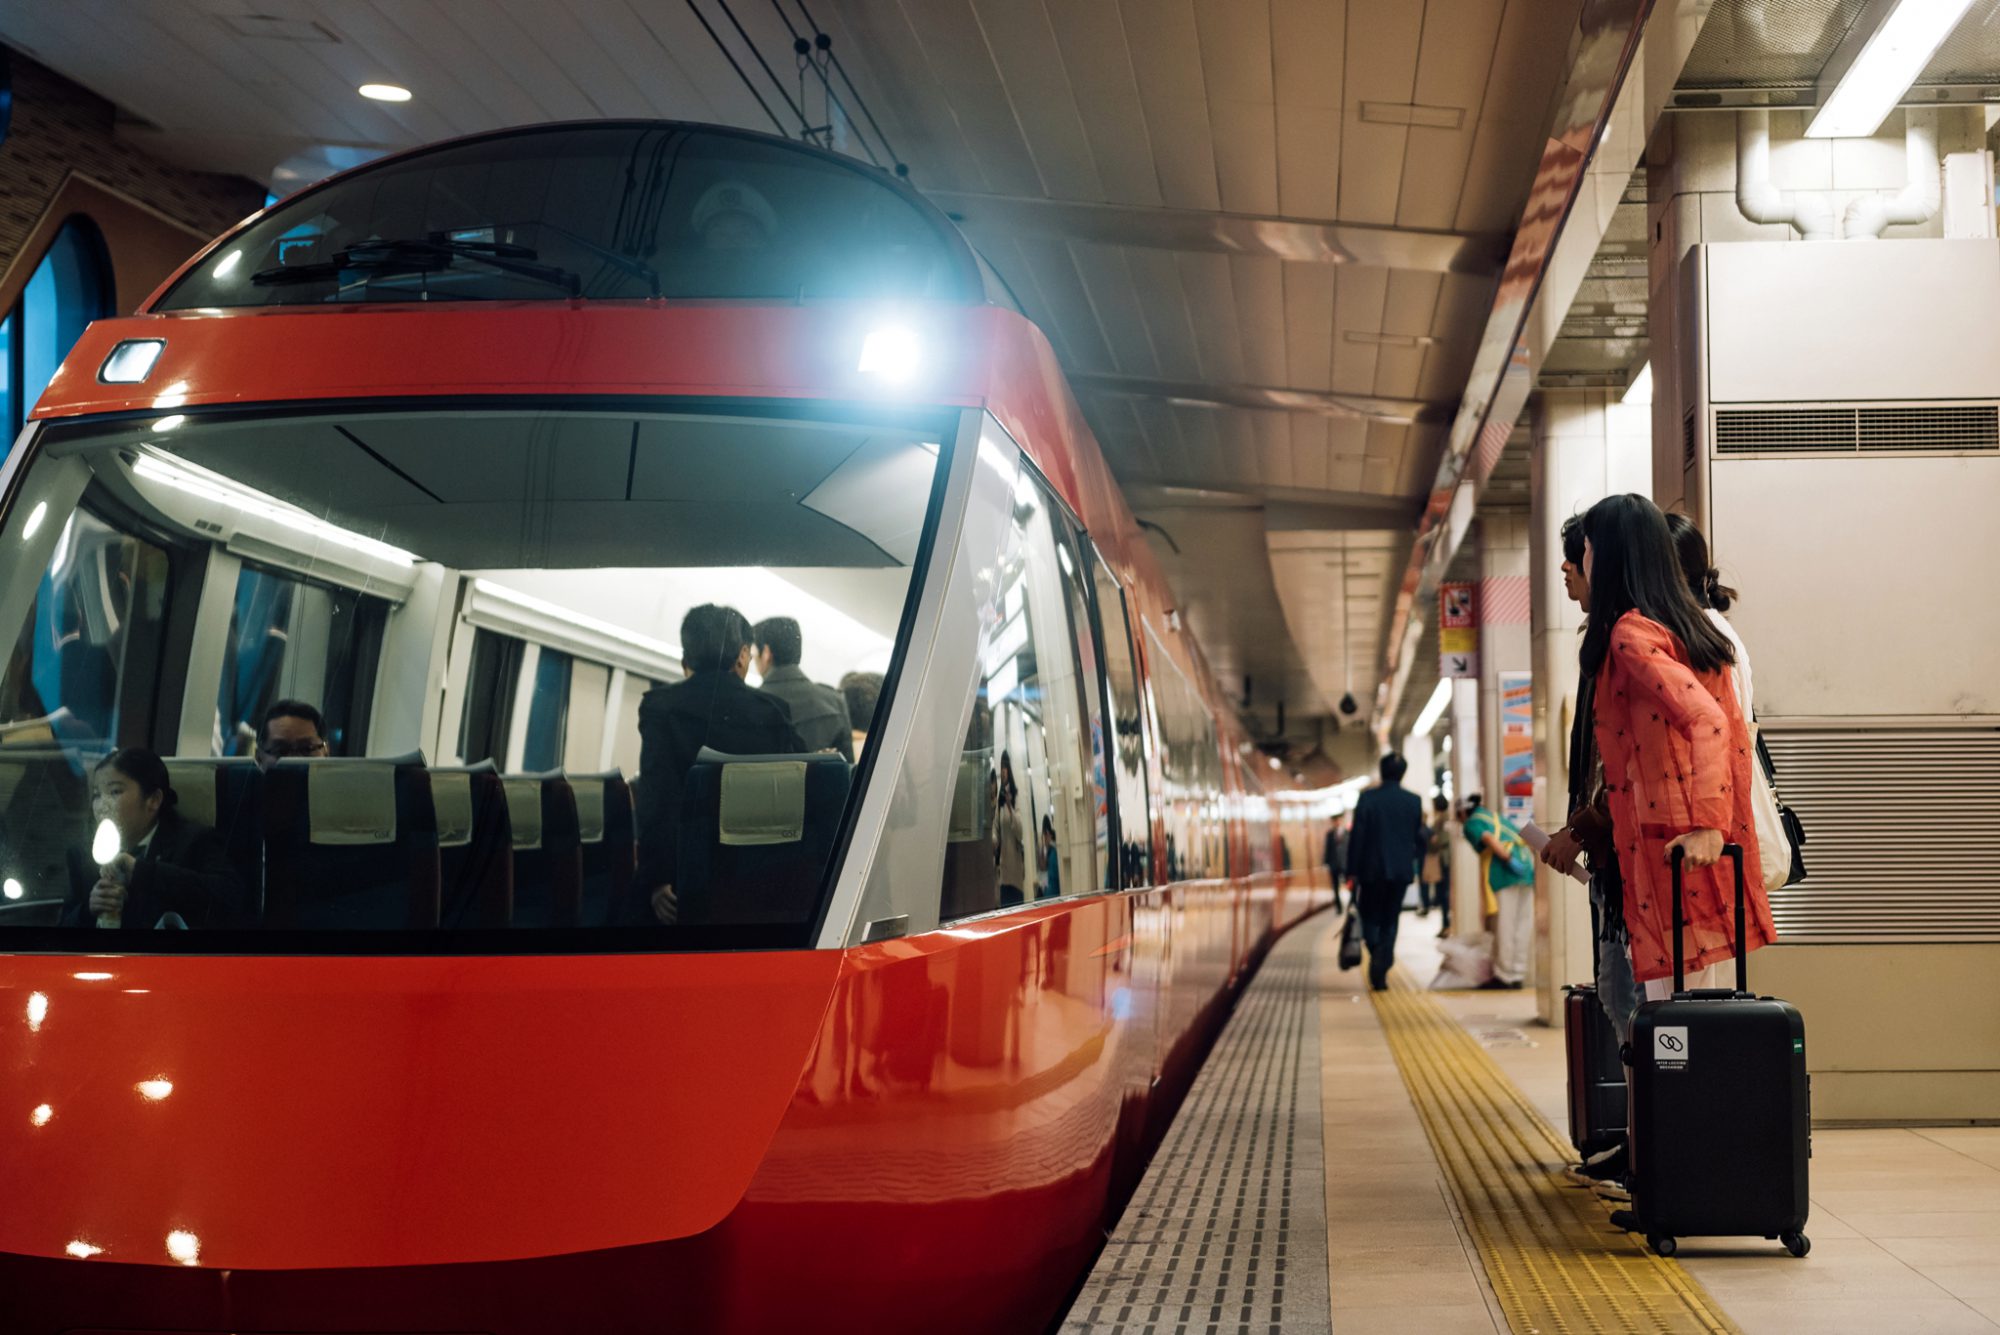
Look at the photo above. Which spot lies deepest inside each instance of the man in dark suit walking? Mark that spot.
(1382, 854)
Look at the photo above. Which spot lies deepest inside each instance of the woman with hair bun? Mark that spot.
(169, 871)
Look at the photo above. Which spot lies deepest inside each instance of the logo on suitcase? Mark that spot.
(1670, 1048)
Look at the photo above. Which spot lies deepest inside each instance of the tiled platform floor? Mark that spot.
(1905, 1223)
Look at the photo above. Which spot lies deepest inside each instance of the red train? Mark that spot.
(446, 447)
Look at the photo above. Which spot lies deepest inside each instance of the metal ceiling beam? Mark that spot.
(1303, 239)
(1204, 394)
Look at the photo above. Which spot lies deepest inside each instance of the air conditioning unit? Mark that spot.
(1837, 408)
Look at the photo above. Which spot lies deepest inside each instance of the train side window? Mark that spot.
(541, 746)
(1090, 692)
(1020, 826)
(80, 669)
(297, 639)
(1191, 766)
(489, 697)
(1126, 743)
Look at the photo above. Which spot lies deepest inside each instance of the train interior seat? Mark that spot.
(605, 830)
(475, 846)
(548, 852)
(756, 834)
(350, 844)
(227, 795)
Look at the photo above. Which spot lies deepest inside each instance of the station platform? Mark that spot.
(1394, 1162)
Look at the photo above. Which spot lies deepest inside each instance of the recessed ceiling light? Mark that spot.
(384, 92)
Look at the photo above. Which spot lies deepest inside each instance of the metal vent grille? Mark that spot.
(1967, 427)
(1687, 440)
(1901, 829)
(1783, 430)
(1899, 429)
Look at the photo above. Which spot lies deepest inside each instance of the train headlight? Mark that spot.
(131, 361)
(892, 354)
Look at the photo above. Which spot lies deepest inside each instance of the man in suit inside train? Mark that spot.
(712, 707)
(1382, 854)
(818, 712)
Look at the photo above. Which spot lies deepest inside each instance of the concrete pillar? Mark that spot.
(1467, 902)
(1587, 444)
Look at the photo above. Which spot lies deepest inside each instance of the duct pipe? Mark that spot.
(1917, 202)
(1762, 202)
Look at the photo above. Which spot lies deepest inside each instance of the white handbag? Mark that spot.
(1774, 847)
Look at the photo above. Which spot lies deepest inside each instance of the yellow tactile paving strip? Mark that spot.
(1550, 1253)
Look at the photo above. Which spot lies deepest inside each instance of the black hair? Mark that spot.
(862, 691)
(1473, 800)
(290, 709)
(712, 637)
(1440, 803)
(144, 768)
(1572, 540)
(782, 637)
(1008, 790)
(1634, 568)
(1704, 580)
(1394, 767)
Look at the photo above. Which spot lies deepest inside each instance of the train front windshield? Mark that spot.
(606, 675)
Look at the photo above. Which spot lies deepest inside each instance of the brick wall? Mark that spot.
(60, 127)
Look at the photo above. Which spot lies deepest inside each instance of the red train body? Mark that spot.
(923, 1133)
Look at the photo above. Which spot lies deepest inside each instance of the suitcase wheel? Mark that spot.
(1798, 1244)
(1663, 1245)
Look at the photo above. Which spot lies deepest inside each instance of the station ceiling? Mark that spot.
(1262, 236)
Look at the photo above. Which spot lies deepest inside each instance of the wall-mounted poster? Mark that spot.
(1517, 746)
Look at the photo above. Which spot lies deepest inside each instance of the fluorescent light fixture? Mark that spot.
(527, 602)
(12, 888)
(1889, 61)
(384, 92)
(227, 264)
(1640, 391)
(1433, 709)
(131, 361)
(35, 518)
(891, 352)
(220, 491)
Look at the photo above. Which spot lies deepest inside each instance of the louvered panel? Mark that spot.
(1783, 430)
(1901, 829)
(1687, 440)
(1860, 429)
(1973, 426)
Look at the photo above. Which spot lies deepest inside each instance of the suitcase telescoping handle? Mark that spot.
(1734, 852)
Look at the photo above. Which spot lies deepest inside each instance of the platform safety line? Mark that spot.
(1553, 1260)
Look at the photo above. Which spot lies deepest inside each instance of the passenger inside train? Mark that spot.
(164, 870)
(408, 666)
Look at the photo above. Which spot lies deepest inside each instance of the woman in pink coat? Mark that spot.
(1676, 751)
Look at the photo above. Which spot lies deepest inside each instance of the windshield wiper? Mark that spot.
(432, 254)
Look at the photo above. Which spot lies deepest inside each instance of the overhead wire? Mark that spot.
(716, 37)
(833, 58)
(804, 49)
(805, 126)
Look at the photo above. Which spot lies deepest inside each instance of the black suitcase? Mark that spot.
(1721, 1121)
(1596, 1073)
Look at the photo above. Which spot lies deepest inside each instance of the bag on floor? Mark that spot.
(1467, 963)
(1350, 941)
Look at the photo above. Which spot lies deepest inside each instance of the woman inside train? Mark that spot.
(1674, 742)
(168, 871)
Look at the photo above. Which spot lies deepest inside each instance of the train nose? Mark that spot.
(207, 1113)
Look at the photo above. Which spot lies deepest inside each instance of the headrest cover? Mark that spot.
(589, 808)
(451, 794)
(763, 802)
(194, 783)
(524, 809)
(350, 802)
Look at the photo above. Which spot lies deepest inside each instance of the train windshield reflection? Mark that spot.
(603, 673)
